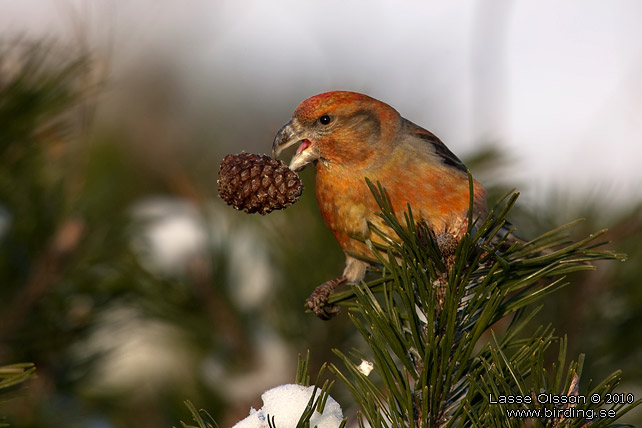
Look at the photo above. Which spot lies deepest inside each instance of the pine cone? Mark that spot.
(257, 183)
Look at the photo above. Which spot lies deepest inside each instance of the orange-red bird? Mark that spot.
(350, 137)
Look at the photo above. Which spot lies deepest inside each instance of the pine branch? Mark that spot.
(423, 321)
(201, 417)
(12, 377)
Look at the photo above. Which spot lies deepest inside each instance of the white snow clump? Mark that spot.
(286, 404)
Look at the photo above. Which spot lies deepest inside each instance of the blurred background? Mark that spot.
(132, 287)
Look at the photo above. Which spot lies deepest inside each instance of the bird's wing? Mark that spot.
(440, 149)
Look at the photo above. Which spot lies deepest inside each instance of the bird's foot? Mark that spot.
(318, 300)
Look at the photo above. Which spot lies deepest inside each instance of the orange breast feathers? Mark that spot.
(414, 173)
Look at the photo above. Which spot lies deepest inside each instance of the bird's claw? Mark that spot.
(318, 300)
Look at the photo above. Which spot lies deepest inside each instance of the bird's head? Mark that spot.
(339, 127)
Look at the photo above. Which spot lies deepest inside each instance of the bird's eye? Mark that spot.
(325, 119)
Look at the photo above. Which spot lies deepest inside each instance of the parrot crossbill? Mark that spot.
(351, 137)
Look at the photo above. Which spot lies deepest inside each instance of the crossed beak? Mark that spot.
(290, 134)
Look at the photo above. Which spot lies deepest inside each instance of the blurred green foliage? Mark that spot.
(118, 342)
